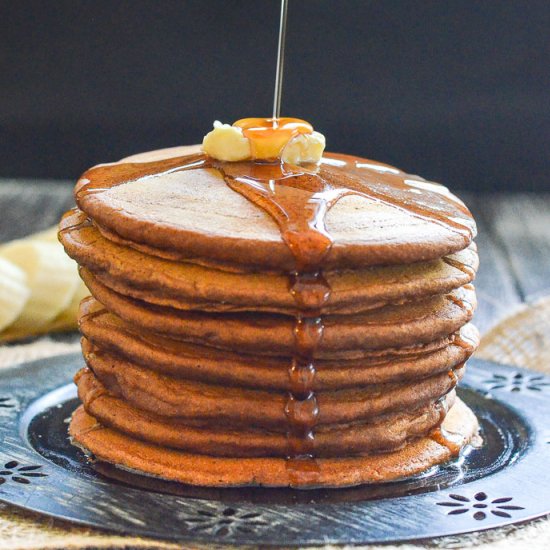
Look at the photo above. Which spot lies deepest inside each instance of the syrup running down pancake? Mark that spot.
(265, 323)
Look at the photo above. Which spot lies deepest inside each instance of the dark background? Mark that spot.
(457, 91)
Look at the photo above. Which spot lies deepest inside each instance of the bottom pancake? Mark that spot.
(111, 446)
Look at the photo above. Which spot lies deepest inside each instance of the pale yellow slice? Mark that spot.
(52, 279)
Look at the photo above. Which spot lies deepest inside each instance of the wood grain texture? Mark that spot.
(496, 286)
(520, 225)
(27, 206)
(513, 241)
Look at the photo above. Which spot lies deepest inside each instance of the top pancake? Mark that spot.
(184, 285)
(194, 215)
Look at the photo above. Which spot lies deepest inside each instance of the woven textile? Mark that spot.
(522, 340)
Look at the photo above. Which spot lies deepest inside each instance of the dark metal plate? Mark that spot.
(505, 481)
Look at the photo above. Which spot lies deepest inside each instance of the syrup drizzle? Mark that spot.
(461, 302)
(90, 315)
(86, 222)
(465, 268)
(268, 136)
(441, 436)
(298, 199)
(464, 341)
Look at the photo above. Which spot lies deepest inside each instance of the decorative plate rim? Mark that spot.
(31, 481)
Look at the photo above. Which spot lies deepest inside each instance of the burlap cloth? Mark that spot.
(523, 339)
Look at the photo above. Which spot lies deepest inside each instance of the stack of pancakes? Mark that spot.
(190, 330)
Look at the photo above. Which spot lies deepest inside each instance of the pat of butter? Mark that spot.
(304, 148)
(228, 143)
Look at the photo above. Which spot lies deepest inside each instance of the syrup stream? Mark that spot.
(280, 61)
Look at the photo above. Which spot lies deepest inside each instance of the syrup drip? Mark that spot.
(461, 303)
(298, 199)
(468, 270)
(464, 342)
(95, 394)
(453, 377)
(299, 209)
(91, 315)
(95, 428)
(447, 439)
(87, 222)
(440, 435)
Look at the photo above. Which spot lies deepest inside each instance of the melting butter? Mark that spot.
(291, 140)
(226, 143)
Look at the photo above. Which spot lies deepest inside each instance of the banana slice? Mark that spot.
(52, 278)
(48, 235)
(14, 292)
(67, 319)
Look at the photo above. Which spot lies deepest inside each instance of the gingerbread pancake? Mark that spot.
(104, 331)
(262, 323)
(184, 285)
(126, 452)
(178, 398)
(272, 334)
(181, 208)
(388, 432)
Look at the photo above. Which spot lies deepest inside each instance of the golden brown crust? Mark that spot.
(272, 334)
(184, 285)
(187, 223)
(112, 446)
(303, 333)
(178, 398)
(217, 438)
(109, 333)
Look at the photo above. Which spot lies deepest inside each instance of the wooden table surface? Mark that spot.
(513, 240)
